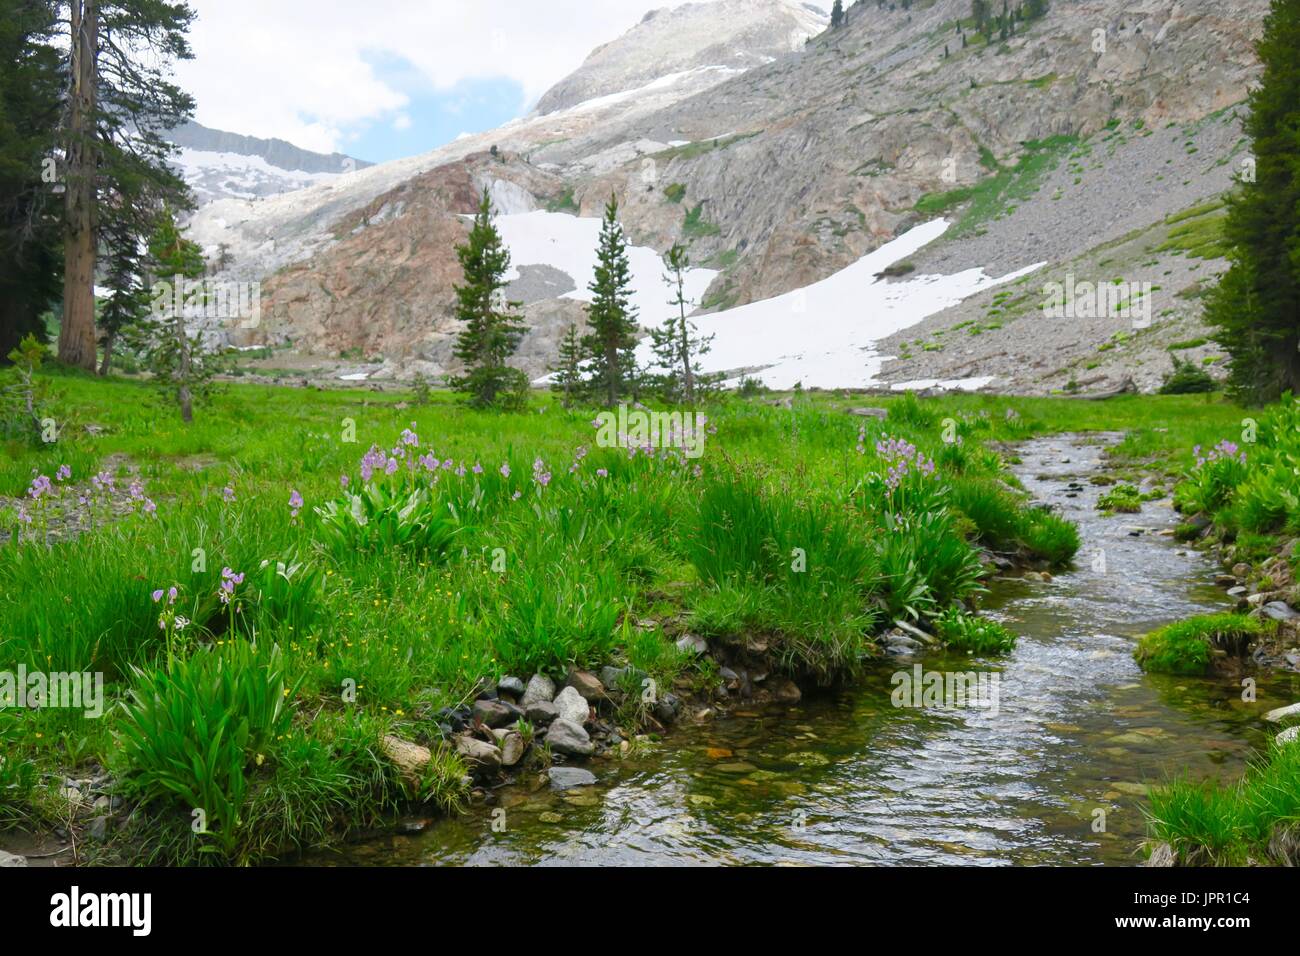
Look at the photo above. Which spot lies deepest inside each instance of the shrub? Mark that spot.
(1185, 647)
(1187, 378)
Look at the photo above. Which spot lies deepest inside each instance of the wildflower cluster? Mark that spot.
(1224, 450)
(902, 458)
(229, 581)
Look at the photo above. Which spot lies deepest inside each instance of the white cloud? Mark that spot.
(402, 122)
(303, 70)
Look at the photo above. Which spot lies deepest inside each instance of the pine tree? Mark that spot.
(568, 367)
(611, 318)
(1256, 307)
(128, 301)
(119, 109)
(178, 361)
(677, 350)
(837, 15)
(492, 326)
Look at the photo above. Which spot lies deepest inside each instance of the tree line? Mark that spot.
(598, 365)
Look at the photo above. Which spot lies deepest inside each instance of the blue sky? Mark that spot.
(387, 78)
(432, 116)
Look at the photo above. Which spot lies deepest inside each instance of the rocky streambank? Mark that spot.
(514, 727)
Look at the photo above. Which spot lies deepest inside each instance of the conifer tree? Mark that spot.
(1256, 306)
(120, 107)
(181, 367)
(676, 347)
(837, 15)
(128, 300)
(611, 339)
(31, 94)
(492, 327)
(568, 366)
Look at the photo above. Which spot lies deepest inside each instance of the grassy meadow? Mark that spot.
(270, 590)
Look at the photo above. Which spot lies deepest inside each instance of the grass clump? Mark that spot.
(1251, 821)
(972, 634)
(1122, 499)
(1186, 647)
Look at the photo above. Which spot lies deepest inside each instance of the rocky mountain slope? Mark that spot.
(1095, 125)
(738, 34)
(222, 165)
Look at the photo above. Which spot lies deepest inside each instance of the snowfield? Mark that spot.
(823, 335)
(568, 243)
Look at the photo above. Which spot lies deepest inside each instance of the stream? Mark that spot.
(1056, 775)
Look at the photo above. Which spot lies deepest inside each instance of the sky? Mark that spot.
(382, 79)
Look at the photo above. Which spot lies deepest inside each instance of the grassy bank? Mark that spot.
(347, 564)
(1240, 494)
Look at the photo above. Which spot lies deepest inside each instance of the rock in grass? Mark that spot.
(566, 737)
(478, 754)
(496, 713)
(1289, 735)
(587, 684)
(542, 712)
(612, 676)
(691, 644)
(1282, 713)
(540, 688)
(566, 778)
(1280, 611)
(408, 757)
(11, 859)
(512, 686)
(572, 706)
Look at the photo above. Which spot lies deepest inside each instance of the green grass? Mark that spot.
(787, 531)
(974, 635)
(1253, 820)
(1186, 647)
(1123, 499)
(1197, 232)
(695, 226)
(998, 193)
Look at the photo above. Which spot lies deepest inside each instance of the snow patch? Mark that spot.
(568, 243)
(825, 335)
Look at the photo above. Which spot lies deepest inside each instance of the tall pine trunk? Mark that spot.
(77, 335)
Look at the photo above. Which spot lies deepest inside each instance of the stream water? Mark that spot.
(847, 777)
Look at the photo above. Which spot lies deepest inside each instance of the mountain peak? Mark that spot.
(736, 34)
